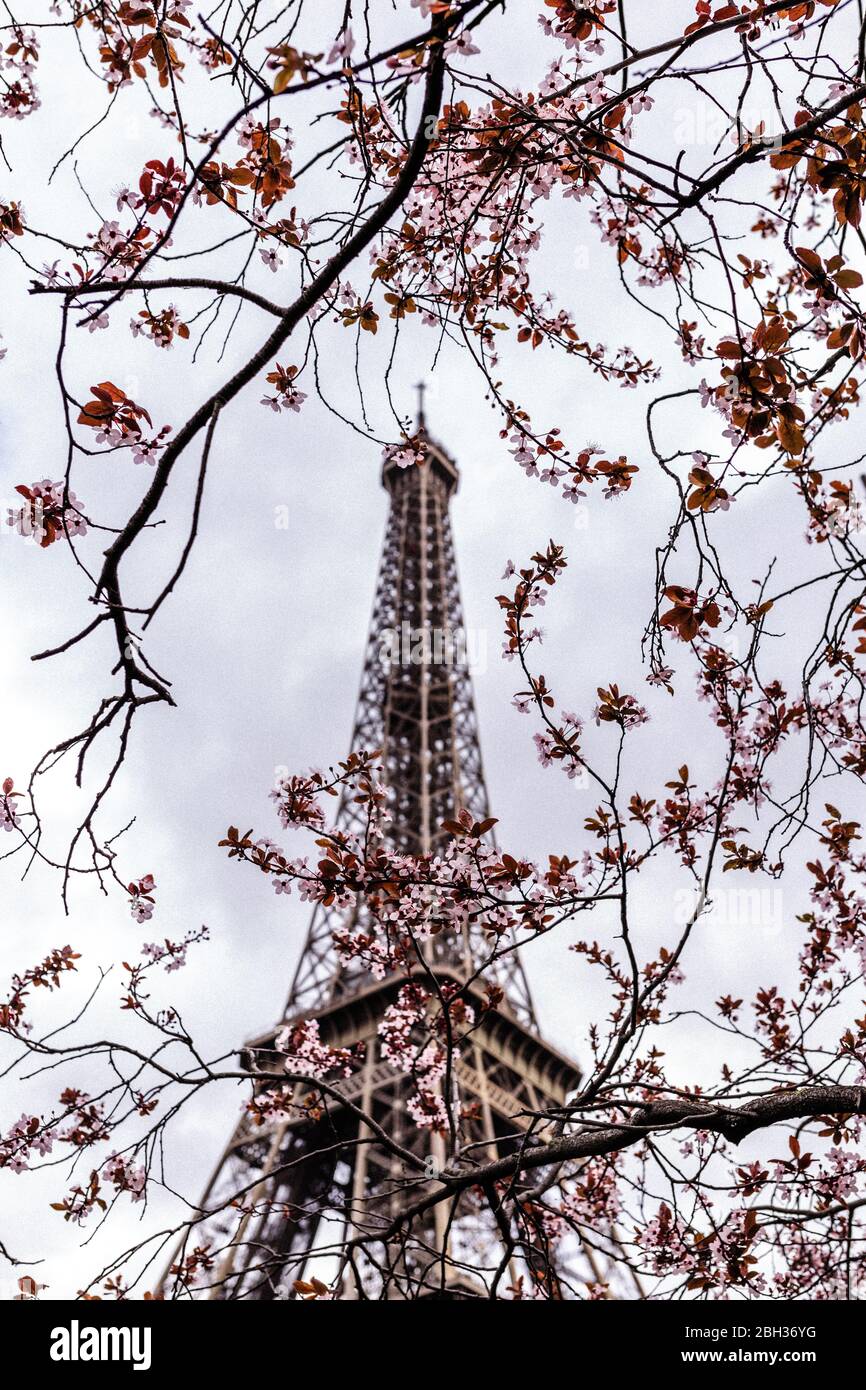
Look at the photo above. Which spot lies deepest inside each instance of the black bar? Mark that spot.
(226, 1338)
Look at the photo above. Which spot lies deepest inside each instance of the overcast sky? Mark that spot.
(264, 637)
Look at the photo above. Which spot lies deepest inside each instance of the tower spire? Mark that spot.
(416, 704)
(421, 388)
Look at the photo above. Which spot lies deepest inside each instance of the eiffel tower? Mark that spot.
(313, 1183)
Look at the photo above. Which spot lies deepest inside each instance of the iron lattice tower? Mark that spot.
(300, 1177)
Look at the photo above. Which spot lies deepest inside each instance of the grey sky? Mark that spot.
(265, 635)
